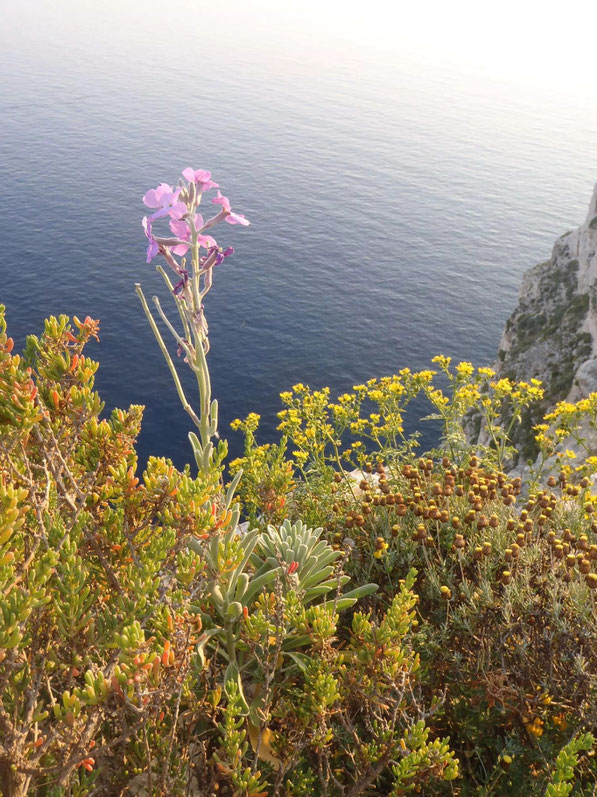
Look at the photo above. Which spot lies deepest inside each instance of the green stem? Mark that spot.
(179, 304)
(181, 395)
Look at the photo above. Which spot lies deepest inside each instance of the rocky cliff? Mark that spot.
(552, 333)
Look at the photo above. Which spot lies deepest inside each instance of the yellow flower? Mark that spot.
(376, 395)
(396, 388)
(560, 721)
(503, 387)
(535, 727)
(465, 369)
(442, 361)
(382, 551)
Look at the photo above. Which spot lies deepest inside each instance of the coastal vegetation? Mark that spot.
(338, 613)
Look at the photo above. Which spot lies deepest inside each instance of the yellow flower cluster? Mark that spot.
(306, 419)
(567, 416)
(535, 728)
(465, 370)
(442, 361)
(250, 424)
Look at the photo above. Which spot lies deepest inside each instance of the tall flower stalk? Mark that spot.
(191, 255)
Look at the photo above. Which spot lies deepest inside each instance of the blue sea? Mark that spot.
(395, 199)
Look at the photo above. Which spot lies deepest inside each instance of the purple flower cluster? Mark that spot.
(191, 253)
(186, 225)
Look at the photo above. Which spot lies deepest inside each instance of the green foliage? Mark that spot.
(566, 762)
(505, 626)
(149, 647)
(385, 615)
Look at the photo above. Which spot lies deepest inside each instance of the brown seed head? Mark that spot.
(591, 579)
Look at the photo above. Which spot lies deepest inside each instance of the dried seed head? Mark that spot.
(584, 566)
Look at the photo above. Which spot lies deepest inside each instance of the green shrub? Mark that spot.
(147, 647)
(506, 625)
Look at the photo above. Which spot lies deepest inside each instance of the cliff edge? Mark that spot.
(552, 333)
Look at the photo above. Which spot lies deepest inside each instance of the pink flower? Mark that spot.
(182, 230)
(165, 198)
(200, 177)
(153, 247)
(230, 217)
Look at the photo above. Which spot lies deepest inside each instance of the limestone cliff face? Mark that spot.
(552, 333)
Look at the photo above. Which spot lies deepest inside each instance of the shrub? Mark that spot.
(506, 624)
(147, 647)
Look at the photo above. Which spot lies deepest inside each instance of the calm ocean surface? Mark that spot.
(393, 206)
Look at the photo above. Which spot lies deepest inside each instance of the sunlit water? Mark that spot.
(393, 208)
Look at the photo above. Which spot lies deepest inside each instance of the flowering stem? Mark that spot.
(181, 395)
(179, 304)
(204, 384)
(164, 318)
(178, 206)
